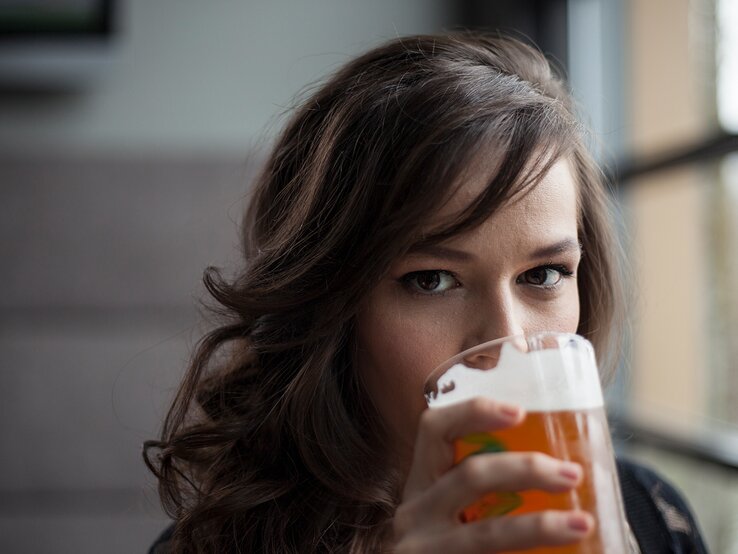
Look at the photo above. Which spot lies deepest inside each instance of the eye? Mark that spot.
(546, 276)
(435, 281)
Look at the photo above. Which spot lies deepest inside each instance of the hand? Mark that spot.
(436, 491)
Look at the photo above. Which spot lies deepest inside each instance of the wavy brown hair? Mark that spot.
(270, 445)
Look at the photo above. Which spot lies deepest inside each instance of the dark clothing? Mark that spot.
(659, 517)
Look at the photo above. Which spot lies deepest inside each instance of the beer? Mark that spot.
(558, 384)
(578, 436)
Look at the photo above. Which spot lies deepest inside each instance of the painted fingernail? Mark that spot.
(579, 523)
(570, 470)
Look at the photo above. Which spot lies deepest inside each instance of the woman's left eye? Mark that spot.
(546, 277)
(436, 281)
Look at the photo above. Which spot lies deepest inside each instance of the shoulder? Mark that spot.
(660, 517)
(161, 545)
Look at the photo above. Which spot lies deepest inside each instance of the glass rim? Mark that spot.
(530, 340)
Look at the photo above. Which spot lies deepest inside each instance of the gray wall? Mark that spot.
(206, 76)
(100, 285)
(113, 198)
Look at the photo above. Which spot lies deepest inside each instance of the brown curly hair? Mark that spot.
(270, 445)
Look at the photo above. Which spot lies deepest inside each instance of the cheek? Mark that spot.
(399, 345)
(574, 310)
(566, 314)
(569, 311)
(560, 315)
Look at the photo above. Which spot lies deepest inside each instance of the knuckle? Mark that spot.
(521, 532)
(544, 525)
(472, 472)
(487, 535)
(402, 521)
(428, 421)
(479, 405)
(537, 465)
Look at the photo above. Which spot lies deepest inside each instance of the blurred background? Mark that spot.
(130, 130)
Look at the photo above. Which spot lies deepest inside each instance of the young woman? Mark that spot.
(433, 194)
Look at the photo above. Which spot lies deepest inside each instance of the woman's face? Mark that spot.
(515, 273)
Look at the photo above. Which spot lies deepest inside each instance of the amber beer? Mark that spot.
(554, 376)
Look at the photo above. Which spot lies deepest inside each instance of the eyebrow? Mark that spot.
(563, 246)
(440, 251)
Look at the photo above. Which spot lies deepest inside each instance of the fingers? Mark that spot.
(549, 528)
(479, 475)
(438, 429)
(436, 491)
(502, 534)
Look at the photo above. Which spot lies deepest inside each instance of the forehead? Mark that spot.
(552, 191)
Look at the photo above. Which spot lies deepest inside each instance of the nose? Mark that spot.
(500, 315)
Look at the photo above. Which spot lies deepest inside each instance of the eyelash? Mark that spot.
(564, 271)
(407, 279)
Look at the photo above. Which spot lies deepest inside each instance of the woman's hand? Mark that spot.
(436, 491)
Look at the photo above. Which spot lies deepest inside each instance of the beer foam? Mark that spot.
(539, 380)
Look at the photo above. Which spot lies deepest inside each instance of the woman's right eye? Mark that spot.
(435, 281)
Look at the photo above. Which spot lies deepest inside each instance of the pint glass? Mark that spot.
(554, 377)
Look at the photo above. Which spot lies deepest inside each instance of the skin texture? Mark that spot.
(515, 273)
(494, 288)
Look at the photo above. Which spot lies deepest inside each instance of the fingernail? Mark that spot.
(510, 410)
(579, 523)
(570, 470)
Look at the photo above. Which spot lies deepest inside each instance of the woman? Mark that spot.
(435, 193)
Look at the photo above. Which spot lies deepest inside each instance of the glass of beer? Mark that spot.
(554, 377)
